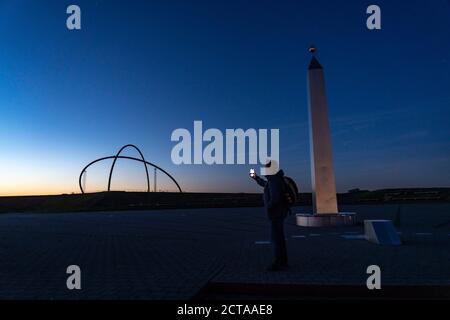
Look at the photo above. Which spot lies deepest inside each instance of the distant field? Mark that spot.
(116, 200)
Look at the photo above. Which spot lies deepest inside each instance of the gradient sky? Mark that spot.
(140, 69)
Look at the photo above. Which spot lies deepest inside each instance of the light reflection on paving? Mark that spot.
(354, 236)
(263, 242)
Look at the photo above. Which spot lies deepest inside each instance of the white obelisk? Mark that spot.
(322, 172)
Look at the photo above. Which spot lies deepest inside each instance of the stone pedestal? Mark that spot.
(326, 220)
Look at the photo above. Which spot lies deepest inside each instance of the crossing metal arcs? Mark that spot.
(118, 156)
(114, 163)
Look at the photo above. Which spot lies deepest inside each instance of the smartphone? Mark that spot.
(252, 173)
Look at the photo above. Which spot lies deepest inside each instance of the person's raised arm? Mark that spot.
(258, 180)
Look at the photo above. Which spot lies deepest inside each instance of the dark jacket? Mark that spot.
(274, 201)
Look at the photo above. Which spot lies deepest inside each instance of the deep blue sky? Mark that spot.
(140, 69)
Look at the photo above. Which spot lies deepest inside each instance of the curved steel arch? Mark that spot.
(114, 163)
(130, 158)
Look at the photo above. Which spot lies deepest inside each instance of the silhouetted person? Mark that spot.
(277, 210)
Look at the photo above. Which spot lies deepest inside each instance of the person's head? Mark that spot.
(270, 168)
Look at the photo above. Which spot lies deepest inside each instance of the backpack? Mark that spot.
(290, 192)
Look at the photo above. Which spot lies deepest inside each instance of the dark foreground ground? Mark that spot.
(218, 253)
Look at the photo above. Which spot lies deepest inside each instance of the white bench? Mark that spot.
(381, 232)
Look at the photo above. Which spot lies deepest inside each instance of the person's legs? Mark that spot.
(279, 242)
(283, 259)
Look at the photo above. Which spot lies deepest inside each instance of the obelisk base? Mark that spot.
(326, 220)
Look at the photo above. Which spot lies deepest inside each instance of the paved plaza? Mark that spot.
(174, 254)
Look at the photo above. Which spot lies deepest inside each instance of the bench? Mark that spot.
(381, 232)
